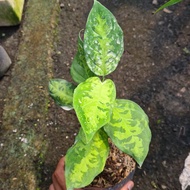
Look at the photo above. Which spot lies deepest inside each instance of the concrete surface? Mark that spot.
(25, 111)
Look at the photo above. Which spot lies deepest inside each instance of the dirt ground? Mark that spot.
(154, 72)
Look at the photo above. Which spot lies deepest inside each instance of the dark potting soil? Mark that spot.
(118, 167)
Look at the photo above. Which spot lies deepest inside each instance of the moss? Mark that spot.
(26, 108)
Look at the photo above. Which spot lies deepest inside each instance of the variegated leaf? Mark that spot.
(79, 68)
(83, 162)
(129, 129)
(92, 100)
(103, 40)
(62, 93)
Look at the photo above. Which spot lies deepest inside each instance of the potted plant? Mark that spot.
(105, 120)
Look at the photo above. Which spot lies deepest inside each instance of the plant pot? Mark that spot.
(119, 169)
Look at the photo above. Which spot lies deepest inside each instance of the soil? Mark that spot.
(118, 167)
(154, 72)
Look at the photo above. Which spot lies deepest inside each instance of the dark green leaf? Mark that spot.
(62, 93)
(79, 69)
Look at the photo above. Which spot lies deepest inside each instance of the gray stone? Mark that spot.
(184, 178)
(5, 61)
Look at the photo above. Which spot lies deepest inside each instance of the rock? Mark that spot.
(5, 61)
(185, 175)
(163, 186)
(11, 12)
(155, 2)
(167, 10)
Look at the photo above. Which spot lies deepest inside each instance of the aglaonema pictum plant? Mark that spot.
(100, 113)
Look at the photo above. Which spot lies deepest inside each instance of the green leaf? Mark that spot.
(169, 3)
(92, 100)
(62, 93)
(103, 40)
(129, 130)
(83, 162)
(79, 68)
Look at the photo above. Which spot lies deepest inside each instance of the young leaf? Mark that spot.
(103, 40)
(62, 93)
(91, 101)
(83, 162)
(79, 69)
(128, 128)
(169, 3)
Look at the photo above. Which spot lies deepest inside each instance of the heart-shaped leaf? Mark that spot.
(62, 93)
(128, 128)
(103, 40)
(83, 162)
(92, 100)
(79, 68)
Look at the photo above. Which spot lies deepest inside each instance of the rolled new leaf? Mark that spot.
(83, 162)
(103, 40)
(79, 68)
(62, 93)
(129, 130)
(92, 101)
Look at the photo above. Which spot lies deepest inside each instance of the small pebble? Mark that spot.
(163, 186)
(160, 22)
(167, 10)
(155, 2)
(14, 130)
(62, 5)
(5, 61)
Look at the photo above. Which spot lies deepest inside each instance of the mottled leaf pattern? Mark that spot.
(62, 93)
(103, 40)
(83, 162)
(95, 104)
(91, 101)
(79, 69)
(129, 130)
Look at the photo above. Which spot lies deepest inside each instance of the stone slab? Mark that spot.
(23, 146)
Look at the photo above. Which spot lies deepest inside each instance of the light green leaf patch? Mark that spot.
(79, 68)
(85, 161)
(92, 102)
(62, 93)
(129, 130)
(103, 40)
